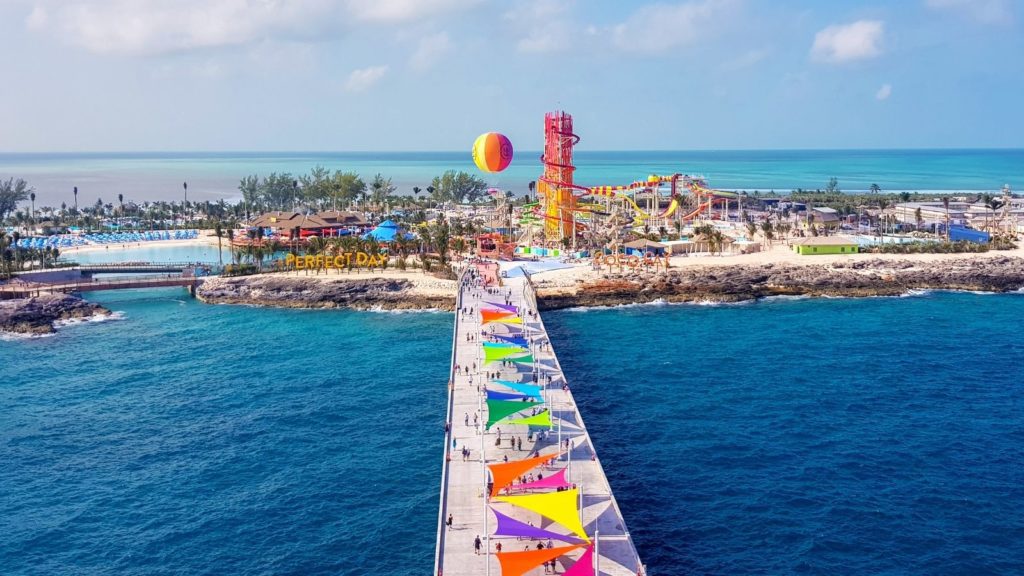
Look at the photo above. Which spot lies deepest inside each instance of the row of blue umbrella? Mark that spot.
(69, 240)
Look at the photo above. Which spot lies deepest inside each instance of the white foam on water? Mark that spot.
(113, 316)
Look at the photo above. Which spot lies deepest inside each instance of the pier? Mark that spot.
(566, 495)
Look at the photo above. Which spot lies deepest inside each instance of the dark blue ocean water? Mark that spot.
(873, 436)
(876, 436)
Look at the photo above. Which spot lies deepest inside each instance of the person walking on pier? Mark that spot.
(449, 521)
(476, 545)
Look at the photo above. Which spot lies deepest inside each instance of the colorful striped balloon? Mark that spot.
(492, 152)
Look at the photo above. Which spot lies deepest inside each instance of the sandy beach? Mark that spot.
(206, 237)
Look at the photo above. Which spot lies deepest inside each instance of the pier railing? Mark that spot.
(530, 296)
(449, 425)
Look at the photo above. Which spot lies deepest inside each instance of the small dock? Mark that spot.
(474, 509)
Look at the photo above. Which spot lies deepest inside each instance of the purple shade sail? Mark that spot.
(508, 526)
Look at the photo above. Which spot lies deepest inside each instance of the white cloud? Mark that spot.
(403, 10)
(161, 26)
(37, 19)
(657, 28)
(746, 60)
(884, 92)
(860, 40)
(543, 24)
(430, 50)
(364, 78)
(984, 11)
(144, 27)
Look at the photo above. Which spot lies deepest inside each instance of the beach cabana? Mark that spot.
(825, 245)
(644, 246)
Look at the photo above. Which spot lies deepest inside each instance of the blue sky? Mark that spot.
(125, 75)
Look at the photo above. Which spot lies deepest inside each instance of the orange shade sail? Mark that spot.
(494, 315)
(504, 473)
(519, 563)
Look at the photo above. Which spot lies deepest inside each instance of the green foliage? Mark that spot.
(11, 193)
(457, 187)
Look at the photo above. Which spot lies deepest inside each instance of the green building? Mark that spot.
(825, 245)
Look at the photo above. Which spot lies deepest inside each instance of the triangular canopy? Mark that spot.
(584, 566)
(528, 389)
(519, 563)
(555, 506)
(517, 340)
(556, 480)
(510, 320)
(499, 409)
(495, 354)
(523, 359)
(509, 526)
(504, 473)
(503, 345)
(539, 419)
(509, 307)
(487, 316)
(513, 396)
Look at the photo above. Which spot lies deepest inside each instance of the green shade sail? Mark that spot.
(541, 419)
(500, 409)
(495, 354)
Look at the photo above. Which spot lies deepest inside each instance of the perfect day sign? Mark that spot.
(344, 260)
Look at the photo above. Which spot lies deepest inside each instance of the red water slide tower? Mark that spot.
(556, 186)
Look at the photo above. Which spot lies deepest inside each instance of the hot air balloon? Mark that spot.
(492, 152)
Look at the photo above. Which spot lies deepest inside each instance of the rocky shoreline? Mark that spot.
(356, 294)
(839, 279)
(40, 315)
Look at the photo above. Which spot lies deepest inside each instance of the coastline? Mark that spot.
(206, 237)
(694, 280)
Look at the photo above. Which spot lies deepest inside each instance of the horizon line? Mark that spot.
(468, 154)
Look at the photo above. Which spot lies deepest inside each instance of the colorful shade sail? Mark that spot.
(488, 316)
(516, 340)
(509, 526)
(539, 419)
(524, 388)
(584, 566)
(495, 354)
(519, 563)
(502, 345)
(502, 474)
(556, 480)
(509, 307)
(509, 320)
(500, 409)
(513, 396)
(528, 359)
(558, 507)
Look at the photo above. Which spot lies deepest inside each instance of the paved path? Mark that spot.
(464, 480)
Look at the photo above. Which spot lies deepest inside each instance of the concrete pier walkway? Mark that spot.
(464, 479)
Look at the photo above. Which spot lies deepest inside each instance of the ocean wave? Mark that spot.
(382, 310)
(16, 336)
(113, 316)
(658, 303)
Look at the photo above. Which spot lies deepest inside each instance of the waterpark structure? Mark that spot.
(566, 209)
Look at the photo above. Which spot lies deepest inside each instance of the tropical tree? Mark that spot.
(875, 188)
(12, 192)
(768, 230)
(380, 189)
(457, 187)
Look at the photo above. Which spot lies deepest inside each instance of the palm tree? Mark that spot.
(32, 197)
(768, 230)
(231, 244)
(219, 231)
(875, 188)
(751, 229)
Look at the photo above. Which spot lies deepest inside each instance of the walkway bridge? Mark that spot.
(21, 289)
(565, 510)
(142, 268)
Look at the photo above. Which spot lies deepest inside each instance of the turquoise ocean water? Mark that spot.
(874, 436)
(151, 176)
